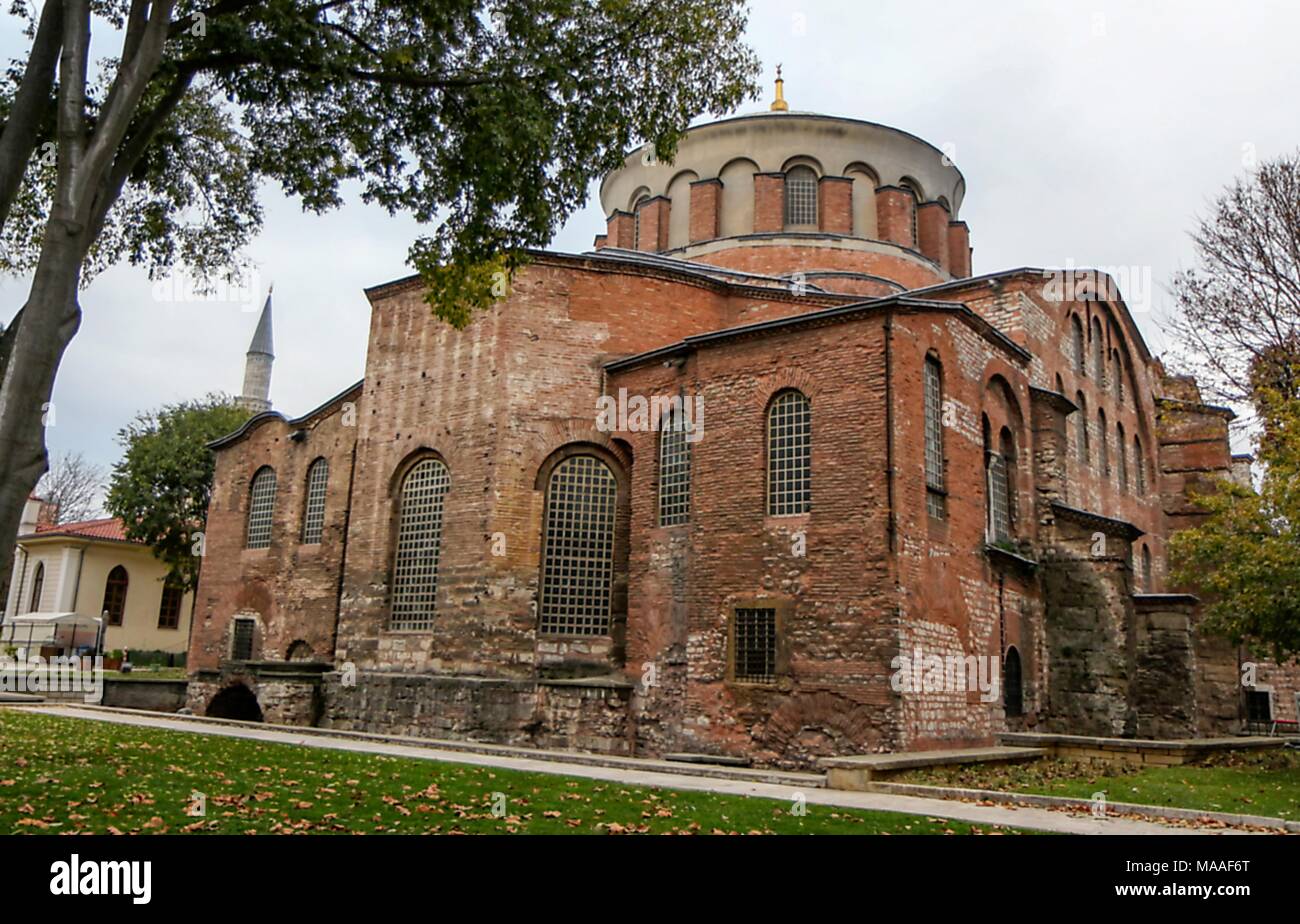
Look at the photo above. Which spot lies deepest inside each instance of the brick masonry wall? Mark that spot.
(290, 588)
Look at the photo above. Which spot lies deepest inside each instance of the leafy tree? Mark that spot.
(162, 485)
(486, 118)
(72, 484)
(1245, 556)
(1237, 314)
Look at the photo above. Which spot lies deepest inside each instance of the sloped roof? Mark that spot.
(109, 529)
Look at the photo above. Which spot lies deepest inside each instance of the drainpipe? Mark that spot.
(892, 524)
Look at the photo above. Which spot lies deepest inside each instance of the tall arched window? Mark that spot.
(1117, 375)
(115, 596)
(1013, 696)
(636, 221)
(999, 485)
(1139, 466)
(789, 455)
(801, 197)
(1076, 345)
(1146, 570)
(1098, 354)
(934, 496)
(313, 511)
(261, 508)
(578, 548)
(1104, 438)
(1081, 429)
(674, 469)
(38, 587)
(419, 542)
(1121, 456)
(914, 188)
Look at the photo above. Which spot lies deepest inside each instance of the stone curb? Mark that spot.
(777, 777)
(1168, 813)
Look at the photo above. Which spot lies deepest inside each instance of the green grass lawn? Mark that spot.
(61, 775)
(1247, 782)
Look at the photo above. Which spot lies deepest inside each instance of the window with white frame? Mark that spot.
(789, 455)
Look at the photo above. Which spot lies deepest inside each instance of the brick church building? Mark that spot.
(732, 483)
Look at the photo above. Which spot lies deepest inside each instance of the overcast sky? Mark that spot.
(1088, 132)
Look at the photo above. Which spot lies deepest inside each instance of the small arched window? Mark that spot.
(1081, 429)
(1121, 456)
(934, 493)
(801, 197)
(313, 511)
(114, 608)
(1147, 586)
(1013, 696)
(261, 508)
(914, 188)
(789, 455)
(1098, 354)
(419, 544)
(578, 548)
(1117, 375)
(38, 587)
(1104, 438)
(674, 469)
(1139, 467)
(1076, 345)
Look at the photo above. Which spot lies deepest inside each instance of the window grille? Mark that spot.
(999, 508)
(419, 544)
(261, 509)
(934, 438)
(789, 455)
(115, 595)
(241, 642)
(801, 196)
(754, 645)
(674, 470)
(578, 557)
(169, 611)
(313, 516)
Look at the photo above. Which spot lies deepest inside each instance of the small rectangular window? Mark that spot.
(754, 645)
(169, 611)
(241, 647)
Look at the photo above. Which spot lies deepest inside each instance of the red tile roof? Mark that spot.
(110, 528)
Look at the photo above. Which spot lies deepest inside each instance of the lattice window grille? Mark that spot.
(578, 557)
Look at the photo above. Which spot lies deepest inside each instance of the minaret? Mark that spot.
(257, 365)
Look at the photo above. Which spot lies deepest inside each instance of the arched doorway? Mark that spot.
(1012, 684)
(235, 702)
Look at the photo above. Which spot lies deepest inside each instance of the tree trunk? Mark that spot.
(45, 326)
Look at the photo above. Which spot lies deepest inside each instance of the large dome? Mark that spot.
(848, 204)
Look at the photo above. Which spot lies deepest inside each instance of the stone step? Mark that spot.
(858, 771)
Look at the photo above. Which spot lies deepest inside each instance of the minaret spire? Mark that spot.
(257, 364)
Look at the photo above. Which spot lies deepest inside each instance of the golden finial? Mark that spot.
(779, 104)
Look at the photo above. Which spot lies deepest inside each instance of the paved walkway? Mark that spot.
(1007, 816)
